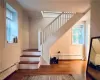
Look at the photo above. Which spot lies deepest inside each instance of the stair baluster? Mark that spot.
(57, 23)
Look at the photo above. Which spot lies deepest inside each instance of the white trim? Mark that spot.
(8, 72)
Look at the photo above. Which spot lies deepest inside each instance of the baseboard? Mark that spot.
(45, 66)
(70, 60)
(7, 78)
(8, 72)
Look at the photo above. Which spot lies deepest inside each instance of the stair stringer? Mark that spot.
(54, 37)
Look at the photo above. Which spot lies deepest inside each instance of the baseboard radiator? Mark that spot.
(5, 73)
(69, 57)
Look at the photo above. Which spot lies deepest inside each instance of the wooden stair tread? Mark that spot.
(29, 62)
(31, 50)
(30, 55)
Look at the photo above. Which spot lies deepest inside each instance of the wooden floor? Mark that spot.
(64, 67)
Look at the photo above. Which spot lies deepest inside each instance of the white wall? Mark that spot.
(94, 21)
(95, 18)
(87, 37)
(10, 53)
(12, 50)
(34, 26)
(26, 25)
(2, 33)
(65, 46)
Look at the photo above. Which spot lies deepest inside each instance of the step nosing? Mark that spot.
(31, 51)
(30, 55)
(31, 62)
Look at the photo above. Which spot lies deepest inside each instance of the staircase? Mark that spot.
(58, 27)
(46, 38)
(30, 59)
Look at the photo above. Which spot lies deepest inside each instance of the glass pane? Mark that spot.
(9, 14)
(75, 40)
(78, 35)
(11, 24)
(8, 24)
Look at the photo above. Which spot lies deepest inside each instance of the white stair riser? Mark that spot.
(31, 53)
(28, 66)
(30, 58)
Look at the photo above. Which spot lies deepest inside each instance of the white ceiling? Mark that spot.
(55, 5)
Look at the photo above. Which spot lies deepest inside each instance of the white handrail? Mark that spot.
(54, 26)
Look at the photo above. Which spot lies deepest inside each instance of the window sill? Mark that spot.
(11, 42)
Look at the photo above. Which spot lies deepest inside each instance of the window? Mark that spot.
(11, 24)
(78, 34)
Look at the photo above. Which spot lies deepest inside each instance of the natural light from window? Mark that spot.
(11, 24)
(78, 34)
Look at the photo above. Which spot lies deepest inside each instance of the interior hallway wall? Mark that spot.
(34, 26)
(87, 38)
(25, 33)
(10, 52)
(2, 33)
(65, 46)
(95, 18)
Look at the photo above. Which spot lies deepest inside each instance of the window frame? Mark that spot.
(83, 34)
(9, 11)
(14, 11)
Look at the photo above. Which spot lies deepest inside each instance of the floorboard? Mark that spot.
(64, 67)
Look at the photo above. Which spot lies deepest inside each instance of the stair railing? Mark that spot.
(54, 26)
